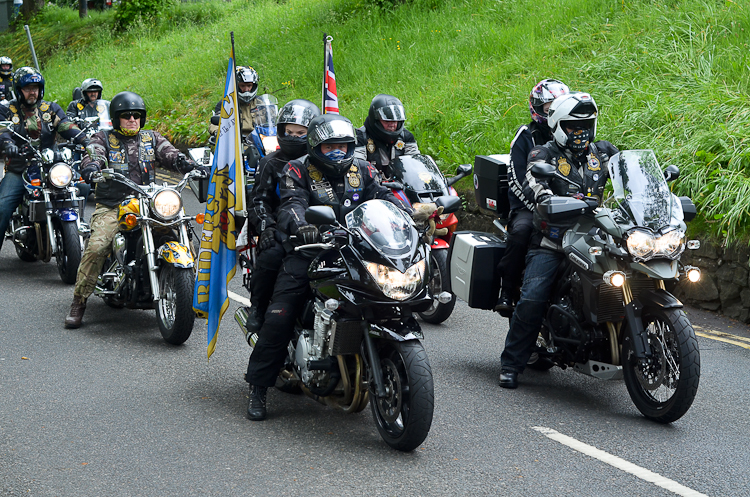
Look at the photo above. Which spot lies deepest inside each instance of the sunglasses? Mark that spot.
(128, 115)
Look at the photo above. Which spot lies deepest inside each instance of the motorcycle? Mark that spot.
(48, 223)
(357, 340)
(421, 181)
(610, 315)
(152, 264)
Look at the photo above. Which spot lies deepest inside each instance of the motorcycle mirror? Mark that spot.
(92, 120)
(393, 185)
(215, 120)
(463, 170)
(450, 203)
(542, 170)
(6, 126)
(320, 214)
(671, 173)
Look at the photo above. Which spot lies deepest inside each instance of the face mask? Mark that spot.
(336, 154)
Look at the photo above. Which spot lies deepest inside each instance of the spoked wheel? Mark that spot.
(175, 307)
(439, 282)
(404, 415)
(664, 385)
(69, 251)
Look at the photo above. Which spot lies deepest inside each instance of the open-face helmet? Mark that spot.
(6, 61)
(331, 128)
(299, 112)
(572, 120)
(126, 101)
(91, 84)
(24, 77)
(545, 91)
(246, 74)
(387, 108)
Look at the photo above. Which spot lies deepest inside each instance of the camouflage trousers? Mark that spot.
(103, 230)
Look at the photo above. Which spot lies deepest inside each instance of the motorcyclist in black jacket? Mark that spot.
(519, 226)
(383, 136)
(291, 125)
(6, 78)
(328, 175)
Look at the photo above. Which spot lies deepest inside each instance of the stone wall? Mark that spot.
(725, 279)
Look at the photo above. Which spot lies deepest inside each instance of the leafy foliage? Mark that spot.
(131, 12)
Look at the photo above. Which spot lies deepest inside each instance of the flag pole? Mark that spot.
(325, 68)
(238, 123)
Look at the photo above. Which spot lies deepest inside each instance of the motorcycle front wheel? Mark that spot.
(664, 385)
(404, 415)
(439, 282)
(69, 251)
(174, 310)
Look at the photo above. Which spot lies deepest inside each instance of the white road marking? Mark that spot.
(238, 298)
(619, 463)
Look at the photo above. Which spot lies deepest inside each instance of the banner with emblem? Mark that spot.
(217, 257)
(330, 96)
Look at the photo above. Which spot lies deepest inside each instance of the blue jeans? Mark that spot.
(541, 266)
(11, 194)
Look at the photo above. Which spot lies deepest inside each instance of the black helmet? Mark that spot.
(299, 112)
(6, 61)
(91, 84)
(123, 102)
(246, 74)
(387, 108)
(330, 128)
(24, 77)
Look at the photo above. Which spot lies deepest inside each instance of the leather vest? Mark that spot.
(117, 156)
(342, 196)
(594, 177)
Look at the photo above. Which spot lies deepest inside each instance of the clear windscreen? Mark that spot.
(384, 225)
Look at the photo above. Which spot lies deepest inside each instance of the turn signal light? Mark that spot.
(199, 218)
(36, 182)
(131, 220)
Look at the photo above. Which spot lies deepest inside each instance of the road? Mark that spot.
(110, 409)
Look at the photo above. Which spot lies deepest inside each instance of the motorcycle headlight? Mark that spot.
(644, 245)
(395, 284)
(166, 204)
(641, 244)
(60, 175)
(670, 244)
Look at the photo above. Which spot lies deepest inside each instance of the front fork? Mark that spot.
(634, 320)
(150, 250)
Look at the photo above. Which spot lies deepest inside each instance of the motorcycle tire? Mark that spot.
(174, 310)
(404, 416)
(439, 282)
(69, 249)
(663, 389)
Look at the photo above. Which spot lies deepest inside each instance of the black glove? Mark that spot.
(11, 149)
(267, 239)
(308, 234)
(84, 141)
(88, 171)
(183, 164)
(206, 170)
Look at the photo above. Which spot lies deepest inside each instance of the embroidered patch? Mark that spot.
(44, 107)
(315, 175)
(113, 141)
(594, 164)
(353, 179)
(563, 166)
(80, 106)
(370, 146)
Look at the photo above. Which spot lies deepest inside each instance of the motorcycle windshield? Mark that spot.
(385, 226)
(265, 112)
(102, 108)
(419, 173)
(641, 191)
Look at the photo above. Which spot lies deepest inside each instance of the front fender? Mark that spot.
(661, 298)
(176, 254)
(67, 214)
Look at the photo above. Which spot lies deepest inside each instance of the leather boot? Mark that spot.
(77, 308)
(254, 319)
(256, 409)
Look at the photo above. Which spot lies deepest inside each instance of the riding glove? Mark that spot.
(267, 239)
(11, 149)
(88, 171)
(308, 233)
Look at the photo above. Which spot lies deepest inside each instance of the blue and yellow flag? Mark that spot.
(217, 257)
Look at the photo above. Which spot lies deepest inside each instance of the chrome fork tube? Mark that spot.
(148, 246)
(50, 228)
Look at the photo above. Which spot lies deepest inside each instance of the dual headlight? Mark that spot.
(395, 284)
(644, 245)
(60, 175)
(166, 204)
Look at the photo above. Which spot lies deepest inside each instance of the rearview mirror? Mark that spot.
(671, 173)
(543, 170)
(463, 169)
(320, 214)
(215, 120)
(449, 203)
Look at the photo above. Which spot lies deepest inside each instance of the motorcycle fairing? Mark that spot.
(176, 254)
(420, 176)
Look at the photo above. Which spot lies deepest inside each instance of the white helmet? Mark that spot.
(575, 112)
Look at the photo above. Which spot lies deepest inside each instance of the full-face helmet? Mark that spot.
(572, 120)
(246, 74)
(545, 91)
(24, 77)
(330, 129)
(6, 61)
(299, 112)
(387, 108)
(126, 101)
(91, 84)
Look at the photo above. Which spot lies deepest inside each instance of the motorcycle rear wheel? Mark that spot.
(69, 251)
(663, 387)
(404, 415)
(174, 310)
(439, 282)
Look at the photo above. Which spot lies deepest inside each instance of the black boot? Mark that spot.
(505, 302)
(254, 319)
(256, 409)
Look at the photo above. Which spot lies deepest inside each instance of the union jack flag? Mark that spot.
(330, 98)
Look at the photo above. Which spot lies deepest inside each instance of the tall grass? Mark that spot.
(671, 75)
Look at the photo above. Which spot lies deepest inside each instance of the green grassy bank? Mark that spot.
(671, 75)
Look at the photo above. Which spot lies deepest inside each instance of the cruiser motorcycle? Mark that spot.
(152, 264)
(357, 340)
(48, 223)
(422, 181)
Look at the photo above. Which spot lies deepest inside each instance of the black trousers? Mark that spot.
(511, 266)
(263, 280)
(290, 293)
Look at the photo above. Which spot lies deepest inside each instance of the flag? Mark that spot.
(217, 256)
(330, 97)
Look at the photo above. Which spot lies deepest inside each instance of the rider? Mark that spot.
(86, 106)
(291, 125)
(247, 88)
(36, 119)
(328, 175)
(575, 155)
(6, 78)
(383, 137)
(537, 132)
(133, 151)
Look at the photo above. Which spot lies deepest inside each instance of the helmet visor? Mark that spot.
(578, 125)
(331, 132)
(391, 113)
(295, 114)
